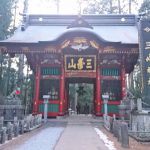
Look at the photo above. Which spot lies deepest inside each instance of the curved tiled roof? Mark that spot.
(108, 28)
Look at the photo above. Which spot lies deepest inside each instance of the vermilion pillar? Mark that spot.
(66, 97)
(98, 96)
(62, 89)
(37, 88)
(123, 82)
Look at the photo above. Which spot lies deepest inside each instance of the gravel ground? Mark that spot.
(133, 144)
(43, 138)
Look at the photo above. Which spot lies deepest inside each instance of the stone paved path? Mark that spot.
(80, 135)
(43, 138)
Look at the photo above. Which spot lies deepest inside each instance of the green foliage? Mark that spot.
(27, 92)
(85, 96)
(145, 7)
(100, 7)
(110, 6)
(136, 91)
(136, 84)
(5, 72)
(6, 18)
(6, 29)
(10, 80)
(81, 90)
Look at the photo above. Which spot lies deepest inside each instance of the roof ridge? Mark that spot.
(59, 20)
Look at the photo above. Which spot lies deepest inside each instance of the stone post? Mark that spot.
(39, 119)
(124, 135)
(15, 119)
(115, 128)
(1, 122)
(31, 121)
(27, 123)
(10, 130)
(45, 97)
(3, 135)
(105, 99)
(139, 105)
(16, 127)
(21, 124)
(119, 132)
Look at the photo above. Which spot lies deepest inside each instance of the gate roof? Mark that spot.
(110, 28)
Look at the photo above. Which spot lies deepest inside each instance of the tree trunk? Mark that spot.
(119, 7)
(111, 7)
(20, 73)
(129, 6)
(25, 9)
(1, 71)
(26, 91)
(57, 5)
(8, 76)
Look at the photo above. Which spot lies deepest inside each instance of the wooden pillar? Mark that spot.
(65, 100)
(62, 89)
(123, 82)
(37, 88)
(98, 95)
(66, 97)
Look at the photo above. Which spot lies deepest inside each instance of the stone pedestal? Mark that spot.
(3, 135)
(140, 125)
(10, 108)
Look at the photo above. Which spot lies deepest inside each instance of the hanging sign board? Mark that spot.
(80, 63)
(144, 33)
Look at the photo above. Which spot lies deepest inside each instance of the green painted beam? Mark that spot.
(111, 109)
(51, 108)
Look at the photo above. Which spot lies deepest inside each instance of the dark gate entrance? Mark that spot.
(80, 92)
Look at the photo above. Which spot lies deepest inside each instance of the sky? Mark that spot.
(42, 7)
(49, 6)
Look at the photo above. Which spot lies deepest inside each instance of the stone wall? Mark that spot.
(13, 129)
(118, 128)
(140, 126)
(11, 107)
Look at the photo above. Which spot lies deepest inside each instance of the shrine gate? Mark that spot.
(64, 49)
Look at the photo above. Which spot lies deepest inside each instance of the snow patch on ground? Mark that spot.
(105, 139)
(45, 140)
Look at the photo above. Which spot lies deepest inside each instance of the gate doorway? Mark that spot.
(80, 94)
